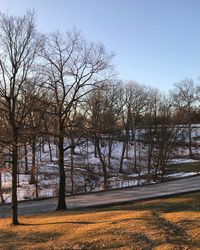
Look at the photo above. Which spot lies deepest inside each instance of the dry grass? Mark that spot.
(159, 224)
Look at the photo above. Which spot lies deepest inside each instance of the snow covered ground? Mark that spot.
(181, 175)
(182, 160)
(87, 171)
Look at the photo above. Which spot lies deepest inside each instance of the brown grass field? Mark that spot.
(172, 223)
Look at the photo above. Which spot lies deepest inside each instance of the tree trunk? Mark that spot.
(190, 140)
(72, 170)
(50, 150)
(95, 147)
(14, 182)
(127, 149)
(104, 166)
(163, 171)
(110, 141)
(61, 193)
(40, 149)
(156, 170)
(1, 193)
(36, 184)
(135, 148)
(122, 157)
(125, 145)
(43, 143)
(26, 158)
(33, 146)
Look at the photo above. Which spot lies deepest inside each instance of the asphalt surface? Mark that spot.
(108, 197)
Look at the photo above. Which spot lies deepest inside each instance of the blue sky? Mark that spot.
(156, 42)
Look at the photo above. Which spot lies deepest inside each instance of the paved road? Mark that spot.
(109, 197)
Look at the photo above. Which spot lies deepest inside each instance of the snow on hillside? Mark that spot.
(87, 172)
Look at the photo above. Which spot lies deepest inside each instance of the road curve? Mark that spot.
(108, 197)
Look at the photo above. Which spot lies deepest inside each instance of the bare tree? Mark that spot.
(166, 136)
(73, 68)
(186, 95)
(2, 163)
(19, 43)
(151, 127)
(103, 115)
(134, 103)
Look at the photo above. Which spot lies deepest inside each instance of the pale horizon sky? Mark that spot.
(156, 42)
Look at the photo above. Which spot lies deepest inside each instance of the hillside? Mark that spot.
(172, 223)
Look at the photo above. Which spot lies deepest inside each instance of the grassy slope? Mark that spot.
(159, 224)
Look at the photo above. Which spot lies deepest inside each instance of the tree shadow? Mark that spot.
(141, 239)
(11, 240)
(81, 222)
(174, 234)
(37, 237)
(7, 235)
(61, 222)
(132, 241)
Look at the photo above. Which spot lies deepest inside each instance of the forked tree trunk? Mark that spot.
(104, 166)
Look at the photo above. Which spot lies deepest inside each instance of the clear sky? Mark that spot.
(156, 42)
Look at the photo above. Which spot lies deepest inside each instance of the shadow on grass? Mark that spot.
(141, 239)
(37, 237)
(7, 235)
(14, 238)
(62, 222)
(168, 233)
(82, 222)
(174, 234)
(123, 240)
